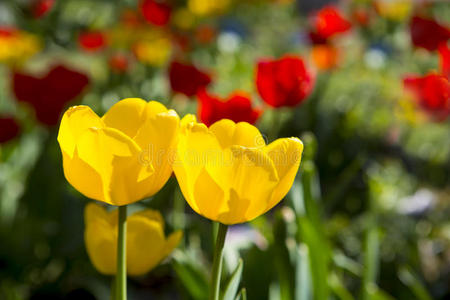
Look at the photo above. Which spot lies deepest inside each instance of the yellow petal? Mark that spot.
(172, 242)
(195, 145)
(115, 157)
(100, 239)
(154, 108)
(208, 196)
(249, 180)
(187, 120)
(150, 214)
(93, 211)
(145, 245)
(82, 176)
(127, 116)
(229, 133)
(75, 121)
(157, 137)
(286, 155)
(235, 211)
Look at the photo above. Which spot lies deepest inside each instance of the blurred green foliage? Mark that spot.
(367, 217)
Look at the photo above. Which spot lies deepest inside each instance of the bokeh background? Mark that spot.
(368, 215)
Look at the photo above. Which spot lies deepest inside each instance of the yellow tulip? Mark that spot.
(146, 244)
(397, 10)
(228, 174)
(152, 47)
(16, 46)
(124, 156)
(208, 7)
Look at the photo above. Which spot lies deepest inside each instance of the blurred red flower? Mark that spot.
(48, 95)
(427, 33)
(329, 22)
(130, 18)
(187, 79)
(9, 129)
(444, 58)
(237, 107)
(7, 32)
(283, 82)
(432, 92)
(317, 39)
(118, 63)
(361, 16)
(92, 41)
(41, 8)
(205, 34)
(156, 12)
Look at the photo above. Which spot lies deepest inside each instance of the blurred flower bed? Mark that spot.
(364, 84)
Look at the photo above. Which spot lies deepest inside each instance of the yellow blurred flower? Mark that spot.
(146, 246)
(124, 156)
(17, 46)
(407, 110)
(153, 48)
(208, 7)
(396, 10)
(183, 18)
(228, 174)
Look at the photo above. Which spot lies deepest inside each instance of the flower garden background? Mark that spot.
(329, 178)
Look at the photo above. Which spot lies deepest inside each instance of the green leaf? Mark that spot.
(306, 197)
(242, 295)
(338, 288)
(192, 277)
(374, 293)
(302, 274)
(283, 265)
(319, 257)
(345, 263)
(371, 260)
(232, 286)
(410, 279)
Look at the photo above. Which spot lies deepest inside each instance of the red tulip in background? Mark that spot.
(427, 33)
(361, 16)
(9, 129)
(42, 7)
(118, 63)
(317, 39)
(283, 82)
(444, 58)
(50, 94)
(432, 92)
(187, 79)
(238, 107)
(156, 12)
(329, 22)
(7, 32)
(92, 41)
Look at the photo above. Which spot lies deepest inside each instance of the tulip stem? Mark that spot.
(121, 274)
(217, 263)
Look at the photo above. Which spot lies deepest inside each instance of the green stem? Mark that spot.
(217, 264)
(121, 274)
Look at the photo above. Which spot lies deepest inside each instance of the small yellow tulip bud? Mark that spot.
(228, 174)
(146, 244)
